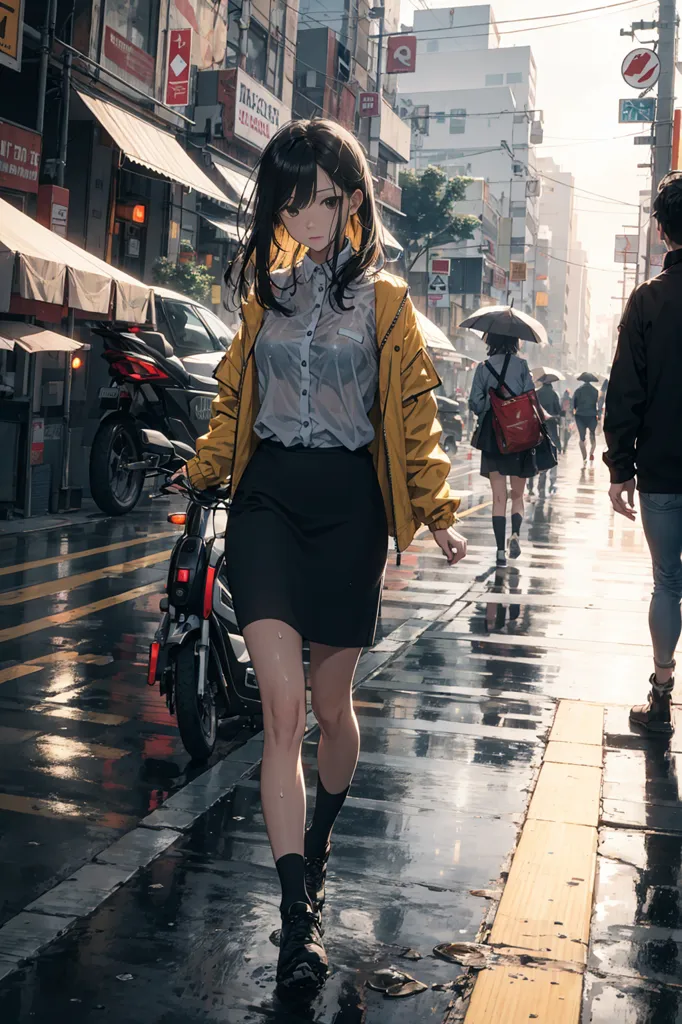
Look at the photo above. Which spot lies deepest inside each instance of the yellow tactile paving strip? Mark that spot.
(546, 905)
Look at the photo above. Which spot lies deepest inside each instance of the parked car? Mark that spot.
(159, 379)
(450, 419)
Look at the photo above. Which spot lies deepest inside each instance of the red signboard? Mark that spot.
(19, 158)
(401, 54)
(130, 58)
(178, 67)
(368, 104)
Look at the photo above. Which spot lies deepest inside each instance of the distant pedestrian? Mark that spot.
(585, 399)
(496, 466)
(550, 402)
(643, 430)
(566, 409)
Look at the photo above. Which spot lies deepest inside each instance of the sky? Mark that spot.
(579, 84)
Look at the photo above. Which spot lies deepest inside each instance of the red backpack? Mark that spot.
(517, 420)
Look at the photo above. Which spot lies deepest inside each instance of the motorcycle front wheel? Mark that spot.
(197, 716)
(115, 489)
(449, 444)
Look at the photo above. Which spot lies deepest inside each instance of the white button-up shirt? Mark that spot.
(318, 369)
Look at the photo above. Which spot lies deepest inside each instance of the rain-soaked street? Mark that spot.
(137, 887)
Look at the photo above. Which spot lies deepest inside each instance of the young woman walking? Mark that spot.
(325, 421)
(511, 369)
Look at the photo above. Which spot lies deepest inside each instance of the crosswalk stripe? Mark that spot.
(23, 594)
(71, 556)
(63, 618)
(78, 714)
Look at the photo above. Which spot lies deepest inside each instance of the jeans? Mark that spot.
(662, 522)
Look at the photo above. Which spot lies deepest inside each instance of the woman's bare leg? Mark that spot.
(498, 486)
(276, 652)
(331, 680)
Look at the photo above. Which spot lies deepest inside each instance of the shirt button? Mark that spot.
(304, 392)
(309, 334)
(396, 348)
(317, 305)
(303, 362)
(306, 423)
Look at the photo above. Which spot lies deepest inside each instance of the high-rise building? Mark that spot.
(556, 214)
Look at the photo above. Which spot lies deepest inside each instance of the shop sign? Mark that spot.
(518, 271)
(130, 58)
(368, 104)
(19, 158)
(257, 113)
(37, 442)
(401, 55)
(499, 278)
(11, 33)
(178, 68)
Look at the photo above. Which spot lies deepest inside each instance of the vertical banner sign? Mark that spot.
(368, 104)
(401, 55)
(178, 68)
(11, 33)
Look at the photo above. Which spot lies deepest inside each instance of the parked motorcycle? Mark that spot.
(198, 655)
(450, 420)
(150, 388)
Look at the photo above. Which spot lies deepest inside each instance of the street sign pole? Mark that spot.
(663, 147)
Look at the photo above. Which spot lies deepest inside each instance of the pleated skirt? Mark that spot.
(307, 541)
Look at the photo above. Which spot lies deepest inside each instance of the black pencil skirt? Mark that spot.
(307, 541)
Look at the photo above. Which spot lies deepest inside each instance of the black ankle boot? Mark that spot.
(656, 714)
(302, 966)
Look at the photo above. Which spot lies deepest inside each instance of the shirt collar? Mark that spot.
(309, 266)
(672, 257)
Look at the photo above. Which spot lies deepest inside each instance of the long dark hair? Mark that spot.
(287, 175)
(499, 344)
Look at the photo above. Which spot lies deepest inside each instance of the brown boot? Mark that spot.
(656, 714)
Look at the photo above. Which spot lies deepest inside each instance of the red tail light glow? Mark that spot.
(182, 576)
(208, 590)
(153, 662)
(137, 368)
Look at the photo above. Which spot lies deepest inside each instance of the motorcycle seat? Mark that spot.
(203, 383)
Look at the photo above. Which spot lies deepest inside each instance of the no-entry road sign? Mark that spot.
(641, 68)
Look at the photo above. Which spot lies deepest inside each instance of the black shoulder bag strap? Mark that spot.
(500, 377)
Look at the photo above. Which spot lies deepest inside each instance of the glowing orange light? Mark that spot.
(177, 518)
(76, 363)
(139, 213)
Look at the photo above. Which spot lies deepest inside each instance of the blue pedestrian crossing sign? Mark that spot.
(637, 110)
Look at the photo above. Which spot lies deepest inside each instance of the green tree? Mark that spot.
(192, 279)
(429, 219)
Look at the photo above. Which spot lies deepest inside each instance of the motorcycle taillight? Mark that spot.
(138, 368)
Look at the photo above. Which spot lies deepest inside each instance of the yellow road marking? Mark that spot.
(78, 715)
(63, 618)
(476, 508)
(62, 809)
(62, 748)
(567, 793)
(37, 664)
(23, 594)
(5, 570)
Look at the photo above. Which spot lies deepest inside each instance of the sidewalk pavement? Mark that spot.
(455, 705)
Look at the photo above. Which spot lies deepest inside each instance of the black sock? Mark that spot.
(517, 519)
(499, 529)
(327, 807)
(291, 871)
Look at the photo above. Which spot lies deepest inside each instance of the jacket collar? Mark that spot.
(672, 258)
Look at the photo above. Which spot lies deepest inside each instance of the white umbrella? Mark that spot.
(513, 323)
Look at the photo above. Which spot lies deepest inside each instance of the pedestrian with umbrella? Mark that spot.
(585, 402)
(551, 404)
(507, 373)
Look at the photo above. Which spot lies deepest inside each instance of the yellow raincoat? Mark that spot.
(411, 467)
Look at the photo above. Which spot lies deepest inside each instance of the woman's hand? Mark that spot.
(178, 477)
(452, 544)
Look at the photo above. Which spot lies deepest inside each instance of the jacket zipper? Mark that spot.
(383, 430)
(239, 405)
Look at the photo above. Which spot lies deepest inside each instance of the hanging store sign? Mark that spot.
(19, 157)
(401, 55)
(518, 271)
(130, 58)
(11, 33)
(258, 114)
(368, 104)
(641, 68)
(625, 250)
(178, 67)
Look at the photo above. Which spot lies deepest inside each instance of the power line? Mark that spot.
(597, 195)
(583, 266)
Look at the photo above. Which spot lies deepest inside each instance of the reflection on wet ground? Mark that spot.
(453, 731)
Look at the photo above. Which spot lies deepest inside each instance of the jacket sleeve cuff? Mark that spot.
(621, 476)
(445, 521)
(196, 477)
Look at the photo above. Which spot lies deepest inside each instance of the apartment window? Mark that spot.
(432, 46)
(439, 115)
(514, 78)
(257, 52)
(458, 121)
(137, 21)
(494, 79)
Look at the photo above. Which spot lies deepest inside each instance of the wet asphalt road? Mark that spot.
(452, 735)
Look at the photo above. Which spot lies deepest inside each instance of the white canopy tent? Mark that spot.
(44, 267)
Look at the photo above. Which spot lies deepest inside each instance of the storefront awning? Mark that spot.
(238, 183)
(44, 267)
(435, 338)
(145, 144)
(34, 339)
(223, 224)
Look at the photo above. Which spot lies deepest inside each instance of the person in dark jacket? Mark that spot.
(585, 400)
(643, 430)
(551, 403)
